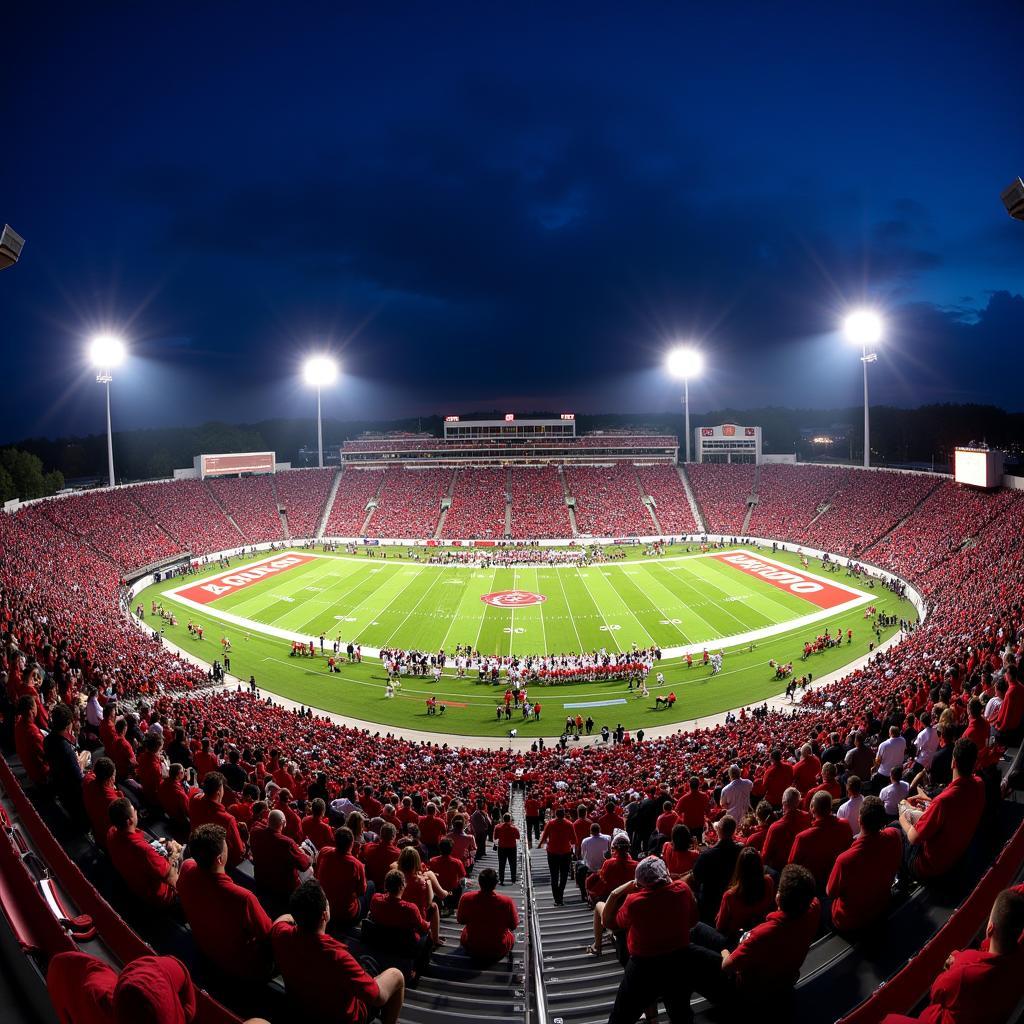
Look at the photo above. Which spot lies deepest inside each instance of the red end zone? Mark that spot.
(819, 592)
(229, 582)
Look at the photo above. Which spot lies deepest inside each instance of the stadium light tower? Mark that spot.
(683, 363)
(864, 327)
(106, 352)
(320, 372)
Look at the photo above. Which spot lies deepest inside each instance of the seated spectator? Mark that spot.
(748, 900)
(206, 807)
(463, 844)
(343, 878)
(173, 796)
(817, 847)
(81, 988)
(379, 856)
(779, 839)
(99, 791)
(1009, 723)
(618, 869)
(489, 920)
(323, 980)
(151, 766)
(121, 752)
(421, 886)
(766, 964)
(829, 784)
(860, 885)
(315, 827)
(939, 831)
(679, 854)
(981, 987)
(277, 859)
(149, 874)
(229, 926)
(894, 794)
(656, 914)
(451, 873)
(398, 927)
(764, 818)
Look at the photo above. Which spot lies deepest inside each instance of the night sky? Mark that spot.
(505, 205)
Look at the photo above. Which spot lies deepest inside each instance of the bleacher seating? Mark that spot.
(186, 511)
(538, 504)
(722, 492)
(672, 507)
(410, 503)
(303, 493)
(608, 501)
(252, 503)
(355, 489)
(478, 504)
(789, 497)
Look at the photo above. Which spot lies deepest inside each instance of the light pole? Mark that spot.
(683, 363)
(106, 352)
(320, 372)
(864, 327)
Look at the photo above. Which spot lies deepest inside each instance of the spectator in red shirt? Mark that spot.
(81, 988)
(582, 825)
(154, 990)
(506, 838)
(806, 770)
(860, 885)
(120, 751)
(343, 878)
(534, 815)
(173, 797)
(679, 853)
(228, 924)
(379, 856)
(489, 920)
(99, 792)
(666, 821)
(656, 914)
(937, 838)
(1009, 723)
(977, 986)
(829, 784)
(692, 808)
(314, 826)
(150, 875)
(779, 839)
(432, 828)
(463, 844)
(321, 976)
(205, 760)
(778, 777)
(151, 766)
(398, 925)
(764, 818)
(817, 847)
(747, 901)
(450, 872)
(28, 741)
(559, 837)
(206, 807)
(612, 819)
(276, 858)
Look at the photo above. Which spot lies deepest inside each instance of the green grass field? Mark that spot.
(682, 599)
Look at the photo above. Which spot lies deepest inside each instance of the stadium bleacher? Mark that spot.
(410, 502)
(303, 493)
(356, 488)
(538, 504)
(478, 504)
(672, 508)
(60, 585)
(251, 502)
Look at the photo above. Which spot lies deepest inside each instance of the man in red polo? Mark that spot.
(692, 808)
(938, 838)
(343, 878)
(506, 837)
(489, 920)
(206, 807)
(228, 924)
(779, 839)
(277, 859)
(777, 778)
(379, 856)
(150, 875)
(860, 885)
(559, 837)
(323, 979)
(817, 847)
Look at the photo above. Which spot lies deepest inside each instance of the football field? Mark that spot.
(678, 601)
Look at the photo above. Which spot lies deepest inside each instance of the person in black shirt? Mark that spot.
(234, 774)
(713, 869)
(178, 750)
(67, 765)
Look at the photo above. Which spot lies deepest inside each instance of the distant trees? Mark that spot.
(22, 476)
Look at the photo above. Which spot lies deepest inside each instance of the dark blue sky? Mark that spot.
(507, 205)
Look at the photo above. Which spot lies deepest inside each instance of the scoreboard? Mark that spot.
(728, 442)
(235, 463)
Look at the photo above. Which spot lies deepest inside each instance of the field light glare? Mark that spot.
(106, 351)
(863, 327)
(684, 363)
(320, 371)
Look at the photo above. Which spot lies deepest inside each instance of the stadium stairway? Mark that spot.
(508, 502)
(568, 502)
(751, 502)
(227, 515)
(648, 501)
(698, 515)
(371, 507)
(329, 504)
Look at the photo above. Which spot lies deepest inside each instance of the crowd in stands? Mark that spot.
(394, 446)
(789, 497)
(252, 503)
(722, 491)
(355, 490)
(672, 507)
(187, 511)
(304, 493)
(538, 504)
(608, 501)
(478, 504)
(931, 714)
(410, 502)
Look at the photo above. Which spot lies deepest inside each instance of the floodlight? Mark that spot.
(320, 371)
(863, 327)
(684, 363)
(106, 351)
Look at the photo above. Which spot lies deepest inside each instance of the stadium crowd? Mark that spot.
(672, 507)
(252, 503)
(722, 492)
(608, 501)
(478, 504)
(410, 502)
(538, 504)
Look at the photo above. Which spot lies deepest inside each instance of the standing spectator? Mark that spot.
(534, 818)
(489, 920)
(379, 856)
(779, 838)
(559, 837)
(65, 764)
(817, 847)
(480, 824)
(506, 835)
(891, 754)
(735, 797)
(323, 979)
(99, 791)
(714, 868)
(849, 809)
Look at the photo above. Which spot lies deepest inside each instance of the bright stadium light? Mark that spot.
(320, 372)
(105, 352)
(864, 327)
(684, 362)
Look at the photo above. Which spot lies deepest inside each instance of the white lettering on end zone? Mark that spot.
(210, 590)
(819, 592)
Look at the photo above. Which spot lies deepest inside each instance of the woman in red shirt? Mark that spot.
(679, 855)
(421, 885)
(749, 898)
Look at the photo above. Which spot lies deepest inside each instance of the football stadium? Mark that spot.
(509, 717)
